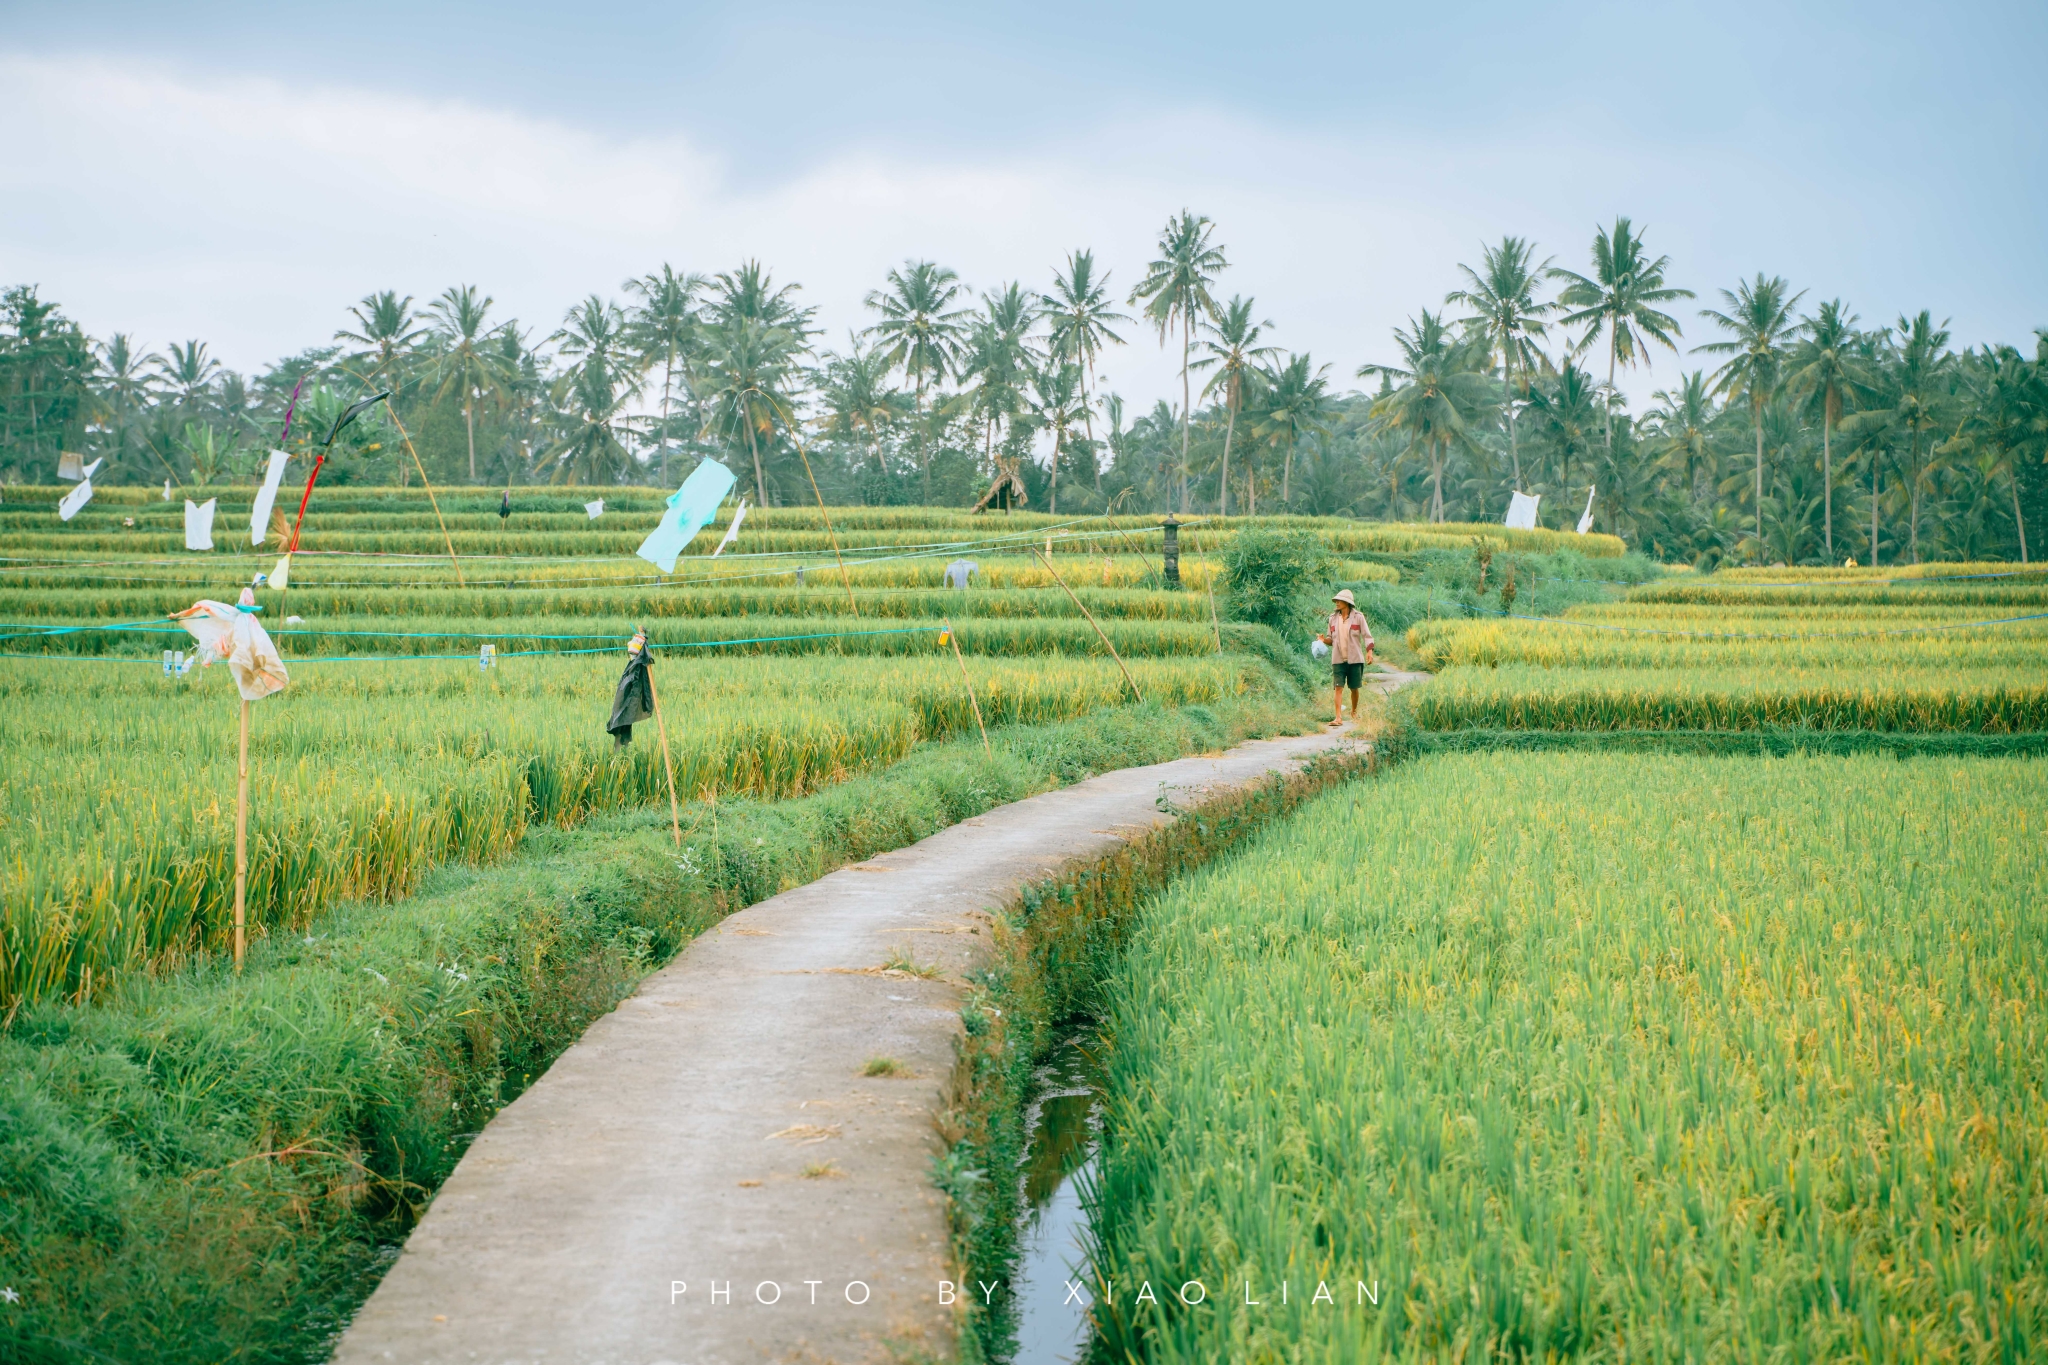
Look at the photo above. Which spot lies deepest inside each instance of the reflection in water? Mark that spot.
(1060, 1126)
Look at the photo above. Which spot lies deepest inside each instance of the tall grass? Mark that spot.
(1622, 1058)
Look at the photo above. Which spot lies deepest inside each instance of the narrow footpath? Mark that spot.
(707, 1177)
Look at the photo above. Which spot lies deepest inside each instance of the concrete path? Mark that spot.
(707, 1177)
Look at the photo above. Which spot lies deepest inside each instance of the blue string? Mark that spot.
(512, 654)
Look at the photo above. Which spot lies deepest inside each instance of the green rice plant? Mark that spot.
(1826, 643)
(117, 802)
(1561, 1056)
(1518, 697)
(729, 636)
(650, 601)
(2016, 591)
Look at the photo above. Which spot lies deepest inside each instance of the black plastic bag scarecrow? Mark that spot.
(634, 701)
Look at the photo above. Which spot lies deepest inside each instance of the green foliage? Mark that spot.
(1277, 579)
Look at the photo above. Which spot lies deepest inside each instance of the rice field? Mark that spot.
(117, 802)
(1605, 1058)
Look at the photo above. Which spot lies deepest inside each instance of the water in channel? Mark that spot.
(1060, 1127)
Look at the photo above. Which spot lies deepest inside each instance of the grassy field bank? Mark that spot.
(1622, 1058)
(202, 1167)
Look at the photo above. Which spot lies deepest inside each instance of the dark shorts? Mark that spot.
(1349, 675)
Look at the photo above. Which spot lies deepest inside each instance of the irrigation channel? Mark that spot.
(1061, 1129)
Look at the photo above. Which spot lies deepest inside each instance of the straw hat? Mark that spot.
(1346, 598)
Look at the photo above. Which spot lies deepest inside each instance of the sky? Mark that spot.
(241, 173)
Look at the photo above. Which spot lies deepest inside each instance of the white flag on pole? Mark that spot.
(199, 524)
(732, 532)
(595, 509)
(1522, 511)
(266, 498)
(1586, 517)
(167, 490)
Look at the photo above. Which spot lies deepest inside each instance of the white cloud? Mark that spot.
(251, 214)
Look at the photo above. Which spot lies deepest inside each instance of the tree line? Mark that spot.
(1799, 434)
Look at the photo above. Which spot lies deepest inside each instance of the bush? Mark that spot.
(1275, 579)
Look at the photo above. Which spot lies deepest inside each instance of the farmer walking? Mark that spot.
(1350, 642)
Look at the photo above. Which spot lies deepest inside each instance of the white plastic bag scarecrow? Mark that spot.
(232, 635)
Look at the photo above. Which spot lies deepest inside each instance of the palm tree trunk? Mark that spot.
(1088, 418)
(1187, 411)
(1052, 497)
(1873, 509)
(1507, 365)
(469, 423)
(2019, 522)
(1913, 509)
(1286, 475)
(924, 445)
(754, 448)
(1609, 409)
(668, 376)
(1756, 410)
(1229, 427)
(1436, 482)
(1827, 482)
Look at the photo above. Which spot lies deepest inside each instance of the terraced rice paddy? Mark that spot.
(1849, 653)
(1576, 1056)
(393, 751)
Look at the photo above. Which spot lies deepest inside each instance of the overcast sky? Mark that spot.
(241, 173)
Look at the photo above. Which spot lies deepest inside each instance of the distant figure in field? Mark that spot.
(1350, 642)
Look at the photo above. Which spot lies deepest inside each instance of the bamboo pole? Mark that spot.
(1091, 621)
(1214, 624)
(242, 840)
(432, 501)
(675, 819)
(954, 640)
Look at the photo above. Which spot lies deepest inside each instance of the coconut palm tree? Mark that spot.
(2007, 419)
(466, 364)
(387, 329)
(858, 403)
(1293, 402)
(750, 372)
(999, 357)
(1056, 405)
(1445, 384)
(1823, 370)
(1502, 297)
(1926, 375)
(1078, 308)
(662, 330)
(1760, 316)
(1682, 431)
(189, 370)
(1563, 413)
(749, 293)
(1175, 292)
(1231, 339)
(590, 401)
(1616, 302)
(921, 333)
(124, 387)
